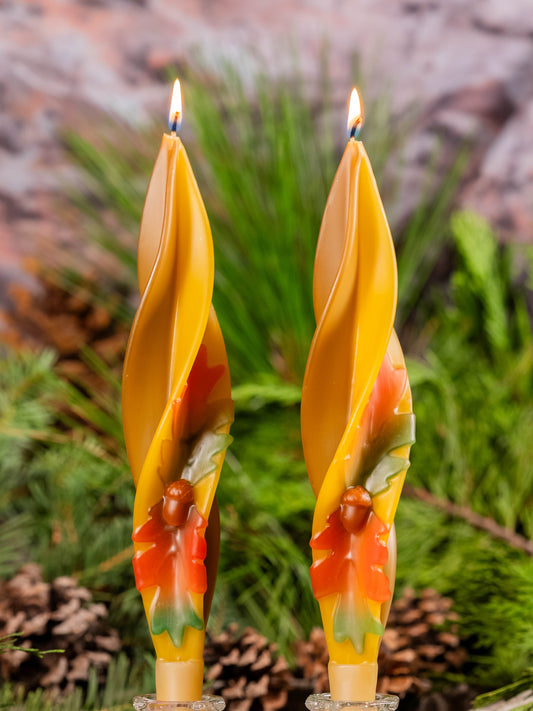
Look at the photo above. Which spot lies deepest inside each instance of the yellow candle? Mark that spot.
(177, 410)
(357, 421)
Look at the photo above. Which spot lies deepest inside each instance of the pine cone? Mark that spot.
(420, 641)
(312, 659)
(57, 615)
(246, 671)
(65, 321)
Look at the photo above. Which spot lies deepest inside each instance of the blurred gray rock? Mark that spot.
(466, 65)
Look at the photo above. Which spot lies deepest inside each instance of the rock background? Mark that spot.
(467, 65)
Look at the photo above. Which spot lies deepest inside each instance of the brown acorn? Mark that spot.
(177, 500)
(356, 504)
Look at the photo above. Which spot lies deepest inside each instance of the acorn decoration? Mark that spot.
(177, 501)
(356, 505)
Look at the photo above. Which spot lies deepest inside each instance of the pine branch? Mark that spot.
(509, 692)
(117, 559)
(8, 644)
(37, 435)
(521, 702)
(482, 523)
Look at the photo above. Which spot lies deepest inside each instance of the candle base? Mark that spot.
(324, 702)
(353, 681)
(149, 702)
(179, 681)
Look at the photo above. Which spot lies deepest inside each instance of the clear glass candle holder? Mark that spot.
(148, 702)
(324, 702)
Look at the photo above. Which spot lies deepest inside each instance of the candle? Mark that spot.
(357, 421)
(177, 411)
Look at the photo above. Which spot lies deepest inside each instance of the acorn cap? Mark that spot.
(177, 500)
(180, 490)
(357, 496)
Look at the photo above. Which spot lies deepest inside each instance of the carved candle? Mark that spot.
(357, 421)
(177, 412)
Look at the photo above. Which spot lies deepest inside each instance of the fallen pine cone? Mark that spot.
(421, 641)
(53, 316)
(246, 671)
(50, 616)
(312, 659)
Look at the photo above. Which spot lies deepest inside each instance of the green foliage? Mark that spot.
(423, 242)
(474, 392)
(491, 585)
(524, 684)
(271, 172)
(123, 682)
(266, 508)
(116, 171)
(473, 395)
(28, 391)
(76, 495)
(60, 486)
(483, 283)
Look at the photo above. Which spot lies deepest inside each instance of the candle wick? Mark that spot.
(175, 124)
(355, 130)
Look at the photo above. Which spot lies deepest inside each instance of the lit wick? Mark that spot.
(175, 111)
(355, 115)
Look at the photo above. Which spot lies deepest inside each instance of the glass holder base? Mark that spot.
(324, 702)
(149, 702)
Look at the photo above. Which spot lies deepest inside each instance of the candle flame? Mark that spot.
(175, 113)
(355, 115)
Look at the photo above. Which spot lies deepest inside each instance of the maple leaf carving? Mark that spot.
(174, 563)
(353, 571)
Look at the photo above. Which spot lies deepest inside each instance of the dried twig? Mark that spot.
(483, 523)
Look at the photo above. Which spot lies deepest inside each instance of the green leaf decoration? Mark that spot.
(173, 617)
(378, 465)
(380, 479)
(201, 461)
(354, 622)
